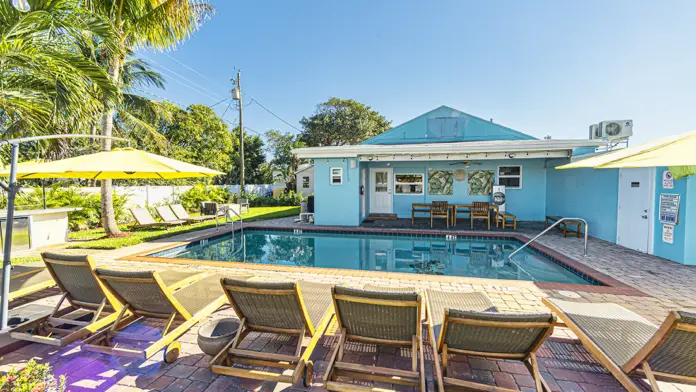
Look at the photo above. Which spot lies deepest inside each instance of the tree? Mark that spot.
(46, 84)
(337, 122)
(197, 135)
(254, 159)
(285, 163)
(155, 24)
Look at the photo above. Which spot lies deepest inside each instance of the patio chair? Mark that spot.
(91, 305)
(441, 210)
(243, 205)
(181, 214)
(629, 345)
(480, 210)
(469, 324)
(288, 308)
(167, 215)
(25, 280)
(146, 298)
(376, 316)
(144, 219)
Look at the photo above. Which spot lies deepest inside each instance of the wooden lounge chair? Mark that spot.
(146, 296)
(382, 317)
(25, 280)
(144, 219)
(167, 215)
(469, 324)
(91, 305)
(480, 210)
(629, 345)
(181, 214)
(441, 210)
(289, 308)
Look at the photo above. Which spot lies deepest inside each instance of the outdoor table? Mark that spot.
(456, 207)
(425, 207)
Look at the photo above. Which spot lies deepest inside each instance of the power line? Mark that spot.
(275, 115)
(184, 78)
(189, 68)
(218, 102)
(226, 109)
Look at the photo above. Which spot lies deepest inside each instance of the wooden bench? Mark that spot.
(564, 225)
(504, 217)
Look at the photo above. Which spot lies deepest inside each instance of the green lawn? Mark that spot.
(94, 238)
(24, 260)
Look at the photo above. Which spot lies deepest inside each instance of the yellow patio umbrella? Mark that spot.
(119, 163)
(676, 152)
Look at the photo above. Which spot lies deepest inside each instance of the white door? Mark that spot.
(381, 191)
(636, 188)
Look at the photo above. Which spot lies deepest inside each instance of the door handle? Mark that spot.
(644, 216)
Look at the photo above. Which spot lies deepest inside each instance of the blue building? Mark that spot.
(445, 154)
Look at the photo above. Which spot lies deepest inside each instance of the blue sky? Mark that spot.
(541, 67)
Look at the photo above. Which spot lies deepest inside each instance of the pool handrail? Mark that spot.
(587, 229)
(226, 211)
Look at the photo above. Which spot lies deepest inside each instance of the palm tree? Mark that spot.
(155, 24)
(45, 82)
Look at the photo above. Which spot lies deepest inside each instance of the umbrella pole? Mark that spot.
(6, 263)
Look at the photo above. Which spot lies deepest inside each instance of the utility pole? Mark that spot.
(237, 96)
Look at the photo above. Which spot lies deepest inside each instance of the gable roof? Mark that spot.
(445, 124)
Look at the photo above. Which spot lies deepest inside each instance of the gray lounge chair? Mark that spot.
(167, 215)
(25, 280)
(629, 345)
(469, 324)
(181, 213)
(91, 305)
(290, 308)
(144, 219)
(243, 205)
(145, 296)
(377, 316)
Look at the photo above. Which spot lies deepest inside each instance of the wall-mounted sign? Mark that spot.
(667, 180)
(668, 234)
(669, 208)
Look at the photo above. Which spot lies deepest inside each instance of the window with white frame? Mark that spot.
(408, 184)
(305, 182)
(510, 176)
(336, 175)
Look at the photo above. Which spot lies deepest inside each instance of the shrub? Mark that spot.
(286, 199)
(33, 378)
(192, 198)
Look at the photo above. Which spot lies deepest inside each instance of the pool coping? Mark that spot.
(611, 285)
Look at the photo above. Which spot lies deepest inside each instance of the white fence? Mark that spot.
(149, 195)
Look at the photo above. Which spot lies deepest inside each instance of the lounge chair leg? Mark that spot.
(414, 353)
(651, 377)
(444, 359)
(534, 370)
(339, 349)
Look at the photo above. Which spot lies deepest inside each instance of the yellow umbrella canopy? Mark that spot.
(676, 152)
(119, 163)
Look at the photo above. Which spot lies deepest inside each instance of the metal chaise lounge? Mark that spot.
(469, 324)
(181, 214)
(376, 316)
(146, 296)
(629, 345)
(26, 280)
(289, 308)
(144, 220)
(91, 305)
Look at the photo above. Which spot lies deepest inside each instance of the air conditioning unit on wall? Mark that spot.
(616, 129)
(595, 132)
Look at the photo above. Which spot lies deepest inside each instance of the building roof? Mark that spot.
(303, 168)
(445, 124)
(489, 149)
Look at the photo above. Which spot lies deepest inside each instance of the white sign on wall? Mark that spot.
(669, 208)
(668, 234)
(667, 180)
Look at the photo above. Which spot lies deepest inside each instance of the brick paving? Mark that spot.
(565, 364)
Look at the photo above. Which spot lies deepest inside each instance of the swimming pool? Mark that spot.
(486, 257)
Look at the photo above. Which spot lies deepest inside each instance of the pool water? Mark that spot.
(465, 256)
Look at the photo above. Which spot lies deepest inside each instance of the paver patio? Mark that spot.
(565, 364)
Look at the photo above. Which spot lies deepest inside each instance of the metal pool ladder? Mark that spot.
(587, 229)
(228, 219)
